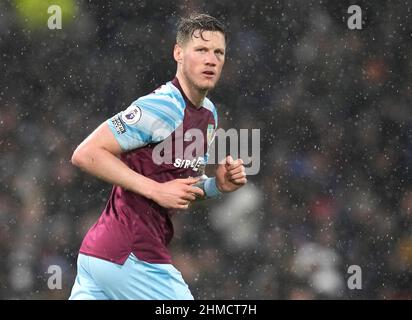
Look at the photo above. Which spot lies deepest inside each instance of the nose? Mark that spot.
(211, 59)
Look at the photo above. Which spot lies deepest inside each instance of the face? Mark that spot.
(201, 60)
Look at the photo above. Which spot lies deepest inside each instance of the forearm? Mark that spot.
(106, 166)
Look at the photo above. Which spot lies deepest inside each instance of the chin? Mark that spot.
(206, 85)
(206, 88)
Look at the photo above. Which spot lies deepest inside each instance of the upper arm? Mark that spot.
(149, 119)
(101, 138)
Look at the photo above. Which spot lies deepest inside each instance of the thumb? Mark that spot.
(229, 160)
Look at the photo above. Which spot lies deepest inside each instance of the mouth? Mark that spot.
(208, 73)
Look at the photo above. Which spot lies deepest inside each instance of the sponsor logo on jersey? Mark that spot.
(117, 122)
(132, 114)
(195, 164)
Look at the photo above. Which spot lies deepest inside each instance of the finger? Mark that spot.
(183, 206)
(190, 180)
(240, 181)
(189, 196)
(238, 169)
(235, 164)
(182, 202)
(196, 191)
(239, 175)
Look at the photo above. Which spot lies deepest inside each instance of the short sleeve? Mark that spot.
(149, 119)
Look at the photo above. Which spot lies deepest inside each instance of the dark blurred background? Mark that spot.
(333, 106)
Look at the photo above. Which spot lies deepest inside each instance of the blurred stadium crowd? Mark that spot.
(333, 106)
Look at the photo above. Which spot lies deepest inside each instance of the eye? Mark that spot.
(201, 50)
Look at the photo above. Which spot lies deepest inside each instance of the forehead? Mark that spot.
(207, 38)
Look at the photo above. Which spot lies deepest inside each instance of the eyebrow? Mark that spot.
(200, 46)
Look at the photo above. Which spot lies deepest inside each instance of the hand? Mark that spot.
(176, 194)
(230, 175)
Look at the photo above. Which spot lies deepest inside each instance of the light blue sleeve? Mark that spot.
(149, 119)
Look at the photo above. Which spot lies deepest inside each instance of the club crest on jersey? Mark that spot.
(132, 114)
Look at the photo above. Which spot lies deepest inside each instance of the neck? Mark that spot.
(195, 95)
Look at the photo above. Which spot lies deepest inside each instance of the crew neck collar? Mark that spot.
(176, 83)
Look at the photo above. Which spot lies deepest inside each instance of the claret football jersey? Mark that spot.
(163, 137)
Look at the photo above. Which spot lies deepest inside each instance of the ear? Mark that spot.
(178, 53)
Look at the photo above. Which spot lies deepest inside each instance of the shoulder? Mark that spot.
(166, 99)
